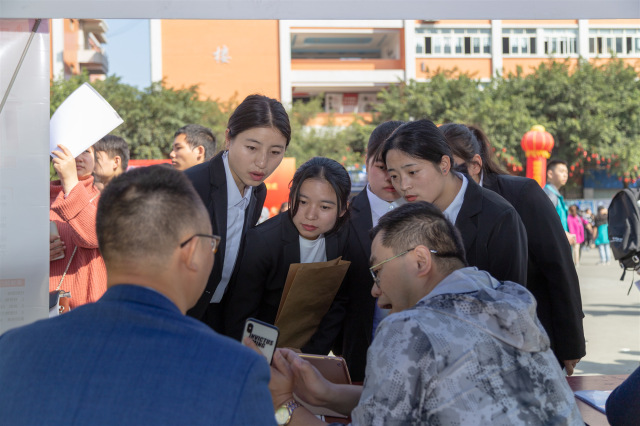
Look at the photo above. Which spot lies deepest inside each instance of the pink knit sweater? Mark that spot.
(75, 217)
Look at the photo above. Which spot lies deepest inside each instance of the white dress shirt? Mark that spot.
(452, 211)
(236, 207)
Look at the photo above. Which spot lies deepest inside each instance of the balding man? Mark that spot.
(133, 357)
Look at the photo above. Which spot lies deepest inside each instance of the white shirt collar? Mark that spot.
(452, 211)
(379, 206)
(233, 194)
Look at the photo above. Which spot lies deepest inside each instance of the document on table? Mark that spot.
(81, 120)
(595, 398)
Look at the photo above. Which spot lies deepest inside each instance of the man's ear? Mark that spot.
(423, 259)
(200, 151)
(117, 162)
(188, 255)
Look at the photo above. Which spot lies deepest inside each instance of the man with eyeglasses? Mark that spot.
(133, 357)
(459, 347)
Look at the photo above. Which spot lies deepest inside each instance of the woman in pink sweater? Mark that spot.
(576, 225)
(74, 201)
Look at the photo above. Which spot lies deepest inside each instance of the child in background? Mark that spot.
(602, 235)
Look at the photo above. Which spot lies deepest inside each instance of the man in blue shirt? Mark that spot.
(133, 357)
(557, 176)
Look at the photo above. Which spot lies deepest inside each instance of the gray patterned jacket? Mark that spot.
(465, 358)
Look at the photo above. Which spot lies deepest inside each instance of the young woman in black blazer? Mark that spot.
(310, 231)
(551, 275)
(420, 163)
(232, 188)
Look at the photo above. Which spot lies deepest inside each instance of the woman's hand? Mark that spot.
(65, 165)
(56, 247)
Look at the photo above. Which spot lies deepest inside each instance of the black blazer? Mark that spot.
(269, 250)
(358, 323)
(494, 237)
(210, 181)
(551, 274)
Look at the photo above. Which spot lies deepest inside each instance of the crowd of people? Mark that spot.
(461, 303)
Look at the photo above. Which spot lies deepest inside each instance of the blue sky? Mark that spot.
(128, 51)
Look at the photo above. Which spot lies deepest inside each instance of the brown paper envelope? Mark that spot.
(308, 300)
(293, 270)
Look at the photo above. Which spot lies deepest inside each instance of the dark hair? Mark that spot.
(377, 138)
(142, 214)
(551, 165)
(329, 170)
(419, 139)
(197, 135)
(422, 223)
(573, 207)
(259, 111)
(114, 145)
(467, 141)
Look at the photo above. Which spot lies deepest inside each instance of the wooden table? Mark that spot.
(590, 415)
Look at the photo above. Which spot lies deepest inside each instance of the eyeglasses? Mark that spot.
(215, 241)
(374, 269)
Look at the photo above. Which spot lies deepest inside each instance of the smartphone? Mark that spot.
(264, 335)
(53, 231)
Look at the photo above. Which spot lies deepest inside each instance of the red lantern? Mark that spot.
(537, 145)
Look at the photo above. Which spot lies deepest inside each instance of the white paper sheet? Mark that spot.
(82, 120)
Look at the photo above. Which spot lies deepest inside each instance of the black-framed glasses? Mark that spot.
(215, 241)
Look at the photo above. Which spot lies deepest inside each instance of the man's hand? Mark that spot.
(56, 247)
(570, 364)
(65, 165)
(309, 384)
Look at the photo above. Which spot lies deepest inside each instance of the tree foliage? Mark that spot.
(593, 112)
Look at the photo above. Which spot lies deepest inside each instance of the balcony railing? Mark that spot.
(346, 64)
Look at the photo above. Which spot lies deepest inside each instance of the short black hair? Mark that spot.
(259, 111)
(419, 139)
(422, 223)
(377, 138)
(114, 145)
(329, 170)
(197, 135)
(552, 164)
(142, 214)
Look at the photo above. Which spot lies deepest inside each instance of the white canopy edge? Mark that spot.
(322, 9)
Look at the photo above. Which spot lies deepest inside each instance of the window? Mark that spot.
(518, 41)
(560, 41)
(453, 41)
(619, 41)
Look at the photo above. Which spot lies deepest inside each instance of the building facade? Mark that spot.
(349, 62)
(77, 45)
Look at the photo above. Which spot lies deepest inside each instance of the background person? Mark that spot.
(576, 225)
(192, 144)
(602, 235)
(420, 164)
(312, 230)
(133, 357)
(231, 185)
(73, 206)
(551, 275)
(112, 159)
(460, 347)
(557, 176)
(378, 197)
